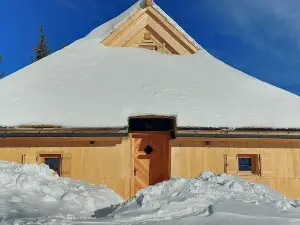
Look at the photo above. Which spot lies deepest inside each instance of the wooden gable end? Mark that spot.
(149, 29)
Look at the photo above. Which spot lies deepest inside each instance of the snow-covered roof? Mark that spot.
(107, 28)
(89, 85)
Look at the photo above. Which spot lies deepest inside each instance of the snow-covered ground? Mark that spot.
(31, 191)
(30, 194)
(209, 200)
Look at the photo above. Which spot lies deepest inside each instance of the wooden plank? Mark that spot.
(231, 164)
(117, 32)
(137, 39)
(130, 32)
(176, 162)
(167, 37)
(67, 164)
(292, 161)
(184, 41)
(295, 161)
(59, 142)
(198, 165)
(29, 158)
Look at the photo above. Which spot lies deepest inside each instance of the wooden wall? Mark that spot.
(280, 160)
(107, 161)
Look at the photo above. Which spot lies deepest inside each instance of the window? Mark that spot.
(53, 161)
(245, 164)
(149, 47)
(248, 164)
(148, 43)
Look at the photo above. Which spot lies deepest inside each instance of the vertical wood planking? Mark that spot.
(154, 167)
(66, 164)
(107, 162)
(280, 160)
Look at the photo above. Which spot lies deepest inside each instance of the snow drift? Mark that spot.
(30, 194)
(209, 199)
(31, 191)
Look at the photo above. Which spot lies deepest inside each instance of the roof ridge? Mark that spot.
(104, 30)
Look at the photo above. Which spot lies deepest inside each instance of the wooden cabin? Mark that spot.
(153, 148)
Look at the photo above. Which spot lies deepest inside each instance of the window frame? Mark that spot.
(43, 156)
(151, 47)
(255, 165)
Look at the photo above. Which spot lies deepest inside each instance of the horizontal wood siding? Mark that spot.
(280, 160)
(106, 162)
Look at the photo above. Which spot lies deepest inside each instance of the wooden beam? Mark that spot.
(170, 27)
(167, 36)
(130, 32)
(149, 2)
(109, 39)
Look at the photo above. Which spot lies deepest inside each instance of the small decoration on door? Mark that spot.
(148, 150)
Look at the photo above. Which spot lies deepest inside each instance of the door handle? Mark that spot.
(134, 171)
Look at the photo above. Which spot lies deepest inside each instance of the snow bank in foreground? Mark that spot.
(209, 199)
(31, 195)
(31, 191)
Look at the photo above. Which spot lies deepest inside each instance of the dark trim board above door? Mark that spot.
(153, 124)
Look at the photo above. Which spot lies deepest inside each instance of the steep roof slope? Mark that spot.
(89, 85)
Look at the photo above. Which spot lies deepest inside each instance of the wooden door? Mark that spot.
(151, 159)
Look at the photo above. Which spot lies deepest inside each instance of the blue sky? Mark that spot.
(259, 37)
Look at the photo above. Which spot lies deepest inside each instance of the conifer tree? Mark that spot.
(42, 50)
(1, 74)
